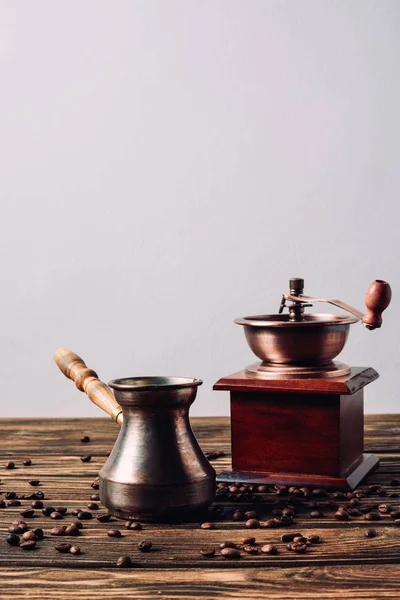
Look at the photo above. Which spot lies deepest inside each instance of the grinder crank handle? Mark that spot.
(86, 380)
(377, 299)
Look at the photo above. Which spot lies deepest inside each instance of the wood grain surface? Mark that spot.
(345, 564)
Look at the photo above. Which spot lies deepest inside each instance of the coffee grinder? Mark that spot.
(297, 416)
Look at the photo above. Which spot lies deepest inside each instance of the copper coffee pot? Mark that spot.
(156, 469)
(303, 345)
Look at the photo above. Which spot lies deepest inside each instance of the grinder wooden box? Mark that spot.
(306, 432)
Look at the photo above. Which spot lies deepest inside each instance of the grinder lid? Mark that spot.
(307, 320)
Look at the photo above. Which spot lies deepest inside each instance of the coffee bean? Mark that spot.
(48, 510)
(13, 503)
(316, 514)
(251, 514)
(57, 531)
(250, 549)
(27, 462)
(395, 482)
(207, 552)
(56, 515)
(10, 495)
(72, 530)
(233, 489)
(22, 526)
(10, 464)
(37, 504)
(385, 508)
(263, 489)
(38, 532)
(95, 497)
(393, 495)
(370, 533)
(124, 562)
(249, 541)
(77, 524)
(353, 512)
(95, 484)
(269, 549)
(285, 520)
(289, 537)
(37, 495)
(396, 522)
(34, 482)
(227, 544)
(207, 526)
(84, 515)
(341, 515)
(300, 539)
(114, 533)
(2, 504)
(14, 529)
(12, 539)
(63, 547)
(135, 525)
(75, 550)
(85, 439)
(288, 512)
(61, 509)
(29, 535)
(319, 492)
(230, 553)
(252, 524)
(93, 506)
(145, 546)
(86, 459)
(271, 524)
(372, 516)
(368, 508)
(104, 517)
(338, 495)
(30, 545)
(313, 539)
(238, 515)
(27, 514)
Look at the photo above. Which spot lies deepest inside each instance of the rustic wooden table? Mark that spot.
(345, 564)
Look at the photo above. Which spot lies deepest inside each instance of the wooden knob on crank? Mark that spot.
(86, 380)
(377, 299)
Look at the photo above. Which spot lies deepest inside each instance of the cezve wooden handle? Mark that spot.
(377, 298)
(86, 380)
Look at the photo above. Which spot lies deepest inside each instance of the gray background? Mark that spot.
(166, 166)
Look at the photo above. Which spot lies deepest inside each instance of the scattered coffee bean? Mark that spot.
(233, 489)
(227, 544)
(385, 508)
(395, 514)
(95, 497)
(300, 539)
(83, 515)
(145, 546)
(14, 529)
(95, 484)
(135, 525)
(77, 524)
(86, 459)
(372, 516)
(37, 495)
(396, 522)
(75, 550)
(207, 552)
(13, 503)
(370, 533)
(85, 439)
(37, 504)
(48, 510)
(249, 541)
(238, 515)
(38, 532)
(249, 549)
(93, 506)
(72, 530)
(316, 514)
(289, 537)
(30, 545)
(10, 495)
(269, 549)
(61, 509)
(13, 539)
(395, 482)
(393, 495)
(21, 525)
(230, 553)
(29, 535)
(252, 524)
(313, 539)
(56, 515)
(263, 489)
(27, 462)
(63, 547)
(10, 464)
(207, 526)
(297, 547)
(104, 517)
(251, 514)
(27, 514)
(271, 523)
(2, 504)
(34, 482)
(341, 515)
(114, 533)
(124, 562)
(57, 531)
